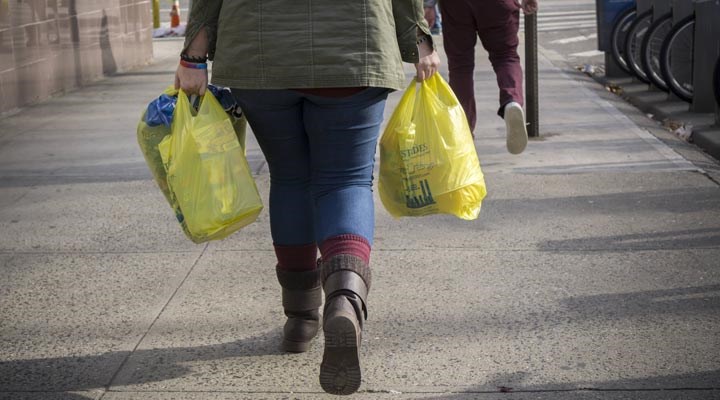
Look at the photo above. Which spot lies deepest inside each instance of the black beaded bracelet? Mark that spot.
(191, 59)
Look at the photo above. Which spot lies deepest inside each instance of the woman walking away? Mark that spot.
(312, 79)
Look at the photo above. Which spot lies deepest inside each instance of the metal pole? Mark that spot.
(156, 13)
(531, 76)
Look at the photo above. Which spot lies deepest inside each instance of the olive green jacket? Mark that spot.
(286, 44)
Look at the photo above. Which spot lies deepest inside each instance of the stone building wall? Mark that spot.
(51, 46)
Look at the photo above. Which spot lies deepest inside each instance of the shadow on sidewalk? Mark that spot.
(661, 387)
(681, 301)
(635, 316)
(110, 369)
(124, 368)
(679, 239)
(677, 201)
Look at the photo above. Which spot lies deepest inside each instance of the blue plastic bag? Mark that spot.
(160, 111)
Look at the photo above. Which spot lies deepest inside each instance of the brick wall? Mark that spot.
(50, 46)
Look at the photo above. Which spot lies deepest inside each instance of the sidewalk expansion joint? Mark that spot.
(152, 324)
(709, 176)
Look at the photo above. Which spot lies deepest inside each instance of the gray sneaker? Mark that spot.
(517, 136)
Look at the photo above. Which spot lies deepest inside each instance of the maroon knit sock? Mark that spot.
(297, 258)
(346, 244)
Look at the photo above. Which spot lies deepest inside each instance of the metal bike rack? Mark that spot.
(681, 9)
(707, 48)
(607, 11)
(660, 8)
(644, 5)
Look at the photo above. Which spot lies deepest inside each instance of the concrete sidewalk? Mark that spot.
(592, 272)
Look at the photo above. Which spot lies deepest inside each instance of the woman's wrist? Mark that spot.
(424, 41)
(425, 47)
(197, 50)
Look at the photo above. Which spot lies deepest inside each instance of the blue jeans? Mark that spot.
(320, 152)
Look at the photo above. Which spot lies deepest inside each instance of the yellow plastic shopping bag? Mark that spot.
(208, 176)
(150, 136)
(428, 162)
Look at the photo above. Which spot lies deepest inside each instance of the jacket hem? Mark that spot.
(397, 83)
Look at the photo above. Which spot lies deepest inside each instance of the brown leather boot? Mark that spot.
(301, 299)
(346, 281)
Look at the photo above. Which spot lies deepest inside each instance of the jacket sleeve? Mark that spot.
(409, 25)
(203, 15)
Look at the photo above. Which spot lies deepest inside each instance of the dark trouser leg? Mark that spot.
(459, 39)
(499, 37)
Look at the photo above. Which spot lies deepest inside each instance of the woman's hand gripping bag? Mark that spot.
(428, 162)
(208, 176)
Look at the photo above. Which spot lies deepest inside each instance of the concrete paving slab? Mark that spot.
(222, 331)
(527, 320)
(70, 320)
(53, 150)
(106, 217)
(515, 310)
(9, 196)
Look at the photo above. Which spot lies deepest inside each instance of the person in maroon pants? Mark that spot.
(496, 22)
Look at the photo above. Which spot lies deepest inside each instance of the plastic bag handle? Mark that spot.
(408, 99)
(438, 88)
(205, 101)
(183, 104)
(170, 91)
(429, 87)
